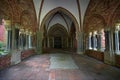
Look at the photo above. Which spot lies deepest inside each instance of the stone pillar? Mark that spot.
(48, 42)
(99, 41)
(109, 53)
(9, 39)
(30, 41)
(67, 42)
(94, 41)
(9, 35)
(71, 43)
(39, 42)
(53, 41)
(116, 41)
(21, 42)
(27, 39)
(79, 39)
(44, 44)
(90, 41)
(15, 54)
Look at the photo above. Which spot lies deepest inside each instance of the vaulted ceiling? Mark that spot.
(76, 7)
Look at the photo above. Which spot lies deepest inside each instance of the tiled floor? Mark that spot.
(37, 68)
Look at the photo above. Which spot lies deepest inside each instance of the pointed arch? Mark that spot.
(93, 21)
(115, 16)
(58, 26)
(65, 11)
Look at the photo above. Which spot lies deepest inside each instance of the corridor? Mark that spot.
(60, 66)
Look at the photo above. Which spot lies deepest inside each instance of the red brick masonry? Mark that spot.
(95, 54)
(117, 60)
(27, 53)
(5, 61)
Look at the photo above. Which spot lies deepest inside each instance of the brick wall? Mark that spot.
(95, 54)
(5, 61)
(27, 53)
(117, 60)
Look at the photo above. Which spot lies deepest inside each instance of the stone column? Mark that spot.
(94, 41)
(48, 42)
(99, 41)
(9, 40)
(44, 44)
(39, 42)
(21, 39)
(62, 42)
(79, 39)
(67, 42)
(9, 35)
(89, 41)
(53, 41)
(71, 42)
(30, 41)
(15, 54)
(26, 40)
(116, 41)
(109, 53)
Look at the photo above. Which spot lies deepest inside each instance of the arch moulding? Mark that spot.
(60, 9)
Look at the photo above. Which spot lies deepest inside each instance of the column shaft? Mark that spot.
(89, 42)
(116, 42)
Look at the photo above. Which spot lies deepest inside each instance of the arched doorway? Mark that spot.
(58, 36)
(59, 16)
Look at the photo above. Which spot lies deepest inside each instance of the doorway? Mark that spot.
(57, 42)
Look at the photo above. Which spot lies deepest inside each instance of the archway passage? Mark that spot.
(58, 37)
(59, 30)
(57, 42)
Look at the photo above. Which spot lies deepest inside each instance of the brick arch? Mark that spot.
(26, 17)
(115, 17)
(62, 10)
(94, 22)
